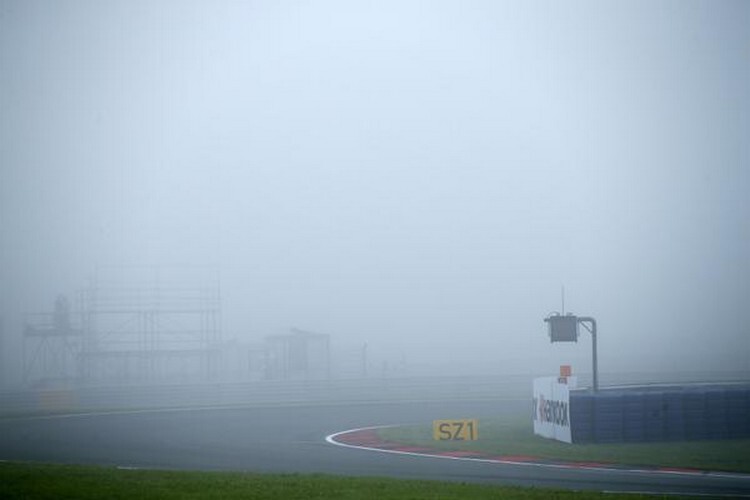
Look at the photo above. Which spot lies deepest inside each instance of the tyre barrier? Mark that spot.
(670, 413)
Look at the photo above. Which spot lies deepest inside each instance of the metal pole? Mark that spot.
(593, 349)
(593, 355)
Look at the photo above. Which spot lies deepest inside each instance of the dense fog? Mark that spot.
(419, 177)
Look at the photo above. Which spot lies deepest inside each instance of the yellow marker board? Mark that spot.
(455, 430)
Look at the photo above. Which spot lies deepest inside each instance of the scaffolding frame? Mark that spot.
(136, 325)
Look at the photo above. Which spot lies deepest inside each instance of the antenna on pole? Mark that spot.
(563, 300)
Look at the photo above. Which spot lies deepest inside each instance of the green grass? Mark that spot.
(38, 481)
(516, 437)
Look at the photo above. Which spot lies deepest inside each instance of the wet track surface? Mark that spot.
(292, 439)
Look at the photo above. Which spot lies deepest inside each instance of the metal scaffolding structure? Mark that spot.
(136, 326)
(51, 344)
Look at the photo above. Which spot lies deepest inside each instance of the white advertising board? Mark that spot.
(552, 408)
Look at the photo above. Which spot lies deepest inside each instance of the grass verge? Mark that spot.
(46, 481)
(516, 437)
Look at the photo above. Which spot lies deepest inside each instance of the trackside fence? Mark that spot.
(71, 398)
(262, 394)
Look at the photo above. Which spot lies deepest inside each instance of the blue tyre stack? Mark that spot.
(608, 418)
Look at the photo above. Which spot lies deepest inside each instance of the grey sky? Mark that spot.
(423, 176)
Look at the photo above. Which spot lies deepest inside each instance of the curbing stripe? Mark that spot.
(332, 439)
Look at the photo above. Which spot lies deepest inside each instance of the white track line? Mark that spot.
(104, 413)
(331, 438)
(676, 494)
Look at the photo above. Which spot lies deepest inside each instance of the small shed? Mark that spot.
(298, 355)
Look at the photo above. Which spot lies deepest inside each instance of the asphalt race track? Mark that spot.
(292, 439)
